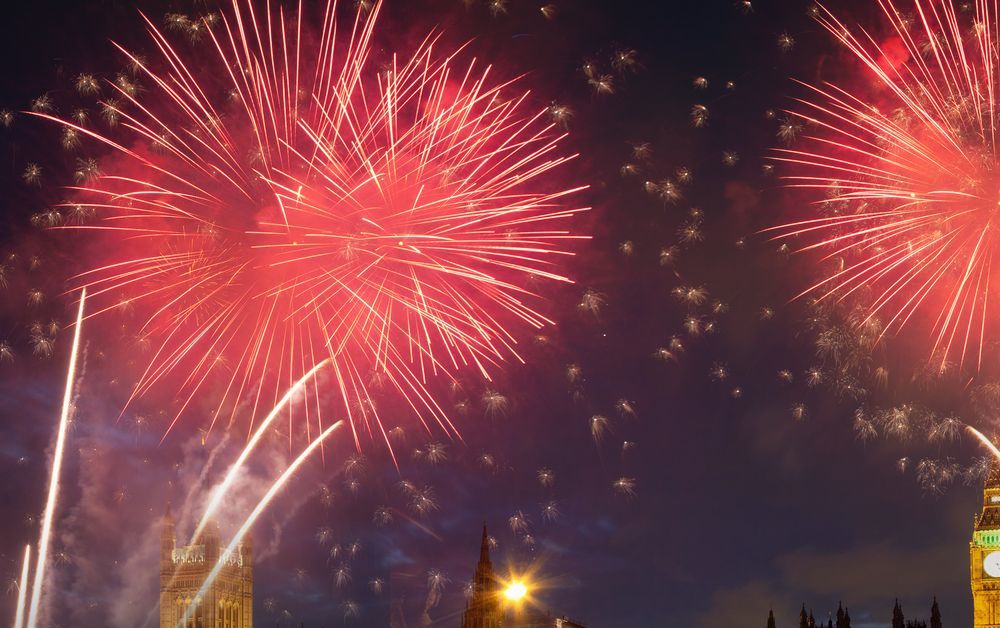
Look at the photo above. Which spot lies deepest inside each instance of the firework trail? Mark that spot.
(274, 200)
(248, 523)
(57, 459)
(22, 588)
(909, 174)
(987, 443)
(220, 491)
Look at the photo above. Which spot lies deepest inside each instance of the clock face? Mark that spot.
(991, 564)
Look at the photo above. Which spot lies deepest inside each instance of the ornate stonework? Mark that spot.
(228, 603)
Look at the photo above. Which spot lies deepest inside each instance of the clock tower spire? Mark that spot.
(984, 554)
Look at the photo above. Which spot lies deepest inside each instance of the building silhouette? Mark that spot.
(228, 602)
(842, 619)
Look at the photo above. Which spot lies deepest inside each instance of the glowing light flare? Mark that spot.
(909, 171)
(515, 591)
(248, 523)
(55, 472)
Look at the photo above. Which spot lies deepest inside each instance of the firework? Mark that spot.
(690, 295)
(785, 42)
(42, 104)
(342, 575)
(352, 610)
(642, 151)
(6, 353)
(324, 535)
(518, 523)
(699, 115)
(436, 580)
(382, 516)
(546, 477)
(57, 459)
(625, 60)
(550, 510)
(316, 206)
(32, 174)
(625, 407)
(624, 486)
(668, 255)
(668, 191)
(423, 500)
(907, 172)
(800, 411)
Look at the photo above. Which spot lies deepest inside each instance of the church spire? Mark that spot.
(484, 609)
(897, 616)
(935, 614)
(484, 548)
(770, 618)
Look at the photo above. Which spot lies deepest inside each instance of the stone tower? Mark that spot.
(228, 603)
(484, 608)
(984, 555)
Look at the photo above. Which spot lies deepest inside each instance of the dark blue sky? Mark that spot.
(739, 507)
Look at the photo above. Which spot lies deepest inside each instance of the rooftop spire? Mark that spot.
(483, 609)
(484, 548)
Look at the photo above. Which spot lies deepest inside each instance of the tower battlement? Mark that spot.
(228, 603)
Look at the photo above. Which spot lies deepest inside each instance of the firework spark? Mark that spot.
(908, 172)
(320, 207)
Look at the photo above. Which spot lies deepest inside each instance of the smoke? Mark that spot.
(106, 566)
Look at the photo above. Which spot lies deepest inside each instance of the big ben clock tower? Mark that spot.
(984, 553)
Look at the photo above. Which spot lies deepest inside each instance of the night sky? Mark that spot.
(738, 508)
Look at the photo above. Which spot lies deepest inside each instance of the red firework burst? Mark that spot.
(274, 201)
(910, 173)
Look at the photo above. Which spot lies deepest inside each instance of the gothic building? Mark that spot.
(228, 603)
(984, 556)
(484, 608)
